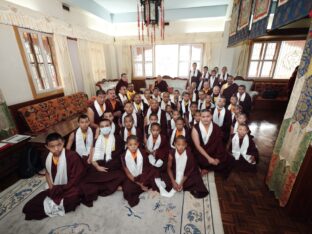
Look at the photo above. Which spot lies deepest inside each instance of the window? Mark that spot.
(39, 54)
(174, 60)
(275, 59)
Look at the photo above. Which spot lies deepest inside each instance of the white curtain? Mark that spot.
(207, 54)
(64, 64)
(92, 60)
(124, 59)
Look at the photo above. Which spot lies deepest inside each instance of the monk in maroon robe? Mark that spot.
(63, 187)
(244, 99)
(106, 173)
(245, 159)
(114, 105)
(137, 169)
(97, 108)
(209, 147)
(122, 82)
(155, 109)
(180, 130)
(229, 89)
(161, 84)
(191, 180)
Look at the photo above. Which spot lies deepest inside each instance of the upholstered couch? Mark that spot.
(249, 84)
(107, 84)
(173, 83)
(43, 115)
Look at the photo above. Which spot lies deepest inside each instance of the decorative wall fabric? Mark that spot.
(243, 22)
(7, 125)
(234, 22)
(295, 133)
(92, 62)
(64, 65)
(12, 14)
(260, 18)
(288, 11)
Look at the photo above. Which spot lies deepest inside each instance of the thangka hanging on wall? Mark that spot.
(295, 134)
(288, 11)
(234, 21)
(260, 18)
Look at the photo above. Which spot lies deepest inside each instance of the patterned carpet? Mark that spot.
(154, 214)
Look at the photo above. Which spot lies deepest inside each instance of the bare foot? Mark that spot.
(204, 172)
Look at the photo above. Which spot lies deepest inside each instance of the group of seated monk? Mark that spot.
(152, 141)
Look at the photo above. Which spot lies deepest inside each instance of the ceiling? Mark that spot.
(124, 11)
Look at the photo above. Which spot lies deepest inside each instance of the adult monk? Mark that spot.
(209, 147)
(122, 82)
(194, 75)
(161, 84)
(64, 172)
(229, 89)
(96, 110)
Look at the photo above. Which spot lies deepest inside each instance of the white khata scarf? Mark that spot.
(123, 98)
(205, 134)
(183, 106)
(101, 149)
(212, 80)
(190, 117)
(241, 98)
(134, 167)
(235, 127)
(83, 147)
(241, 150)
(98, 108)
(173, 134)
(149, 143)
(172, 124)
(158, 98)
(113, 128)
(194, 97)
(133, 132)
(181, 160)
(145, 100)
(136, 108)
(50, 208)
(202, 103)
(134, 116)
(163, 105)
(218, 119)
(224, 77)
(149, 112)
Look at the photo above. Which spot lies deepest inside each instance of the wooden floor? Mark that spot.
(247, 206)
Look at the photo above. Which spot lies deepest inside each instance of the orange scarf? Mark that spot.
(179, 133)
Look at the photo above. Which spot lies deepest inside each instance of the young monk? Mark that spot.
(129, 129)
(140, 107)
(215, 94)
(115, 127)
(237, 110)
(169, 112)
(113, 104)
(158, 149)
(180, 130)
(184, 105)
(208, 102)
(130, 92)
(182, 172)
(196, 118)
(171, 123)
(244, 99)
(241, 118)
(156, 95)
(122, 95)
(244, 150)
(206, 88)
(64, 172)
(223, 118)
(232, 105)
(209, 148)
(176, 97)
(97, 109)
(137, 169)
(166, 101)
(153, 118)
(129, 110)
(146, 96)
(106, 174)
(201, 100)
(81, 140)
(162, 119)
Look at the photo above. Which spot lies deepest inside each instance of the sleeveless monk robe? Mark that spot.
(215, 148)
(107, 153)
(98, 111)
(162, 119)
(186, 132)
(139, 168)
(194, 182)
(241, 150)
(224, 120)
(245, 101)
(65, 192)
(124, 133)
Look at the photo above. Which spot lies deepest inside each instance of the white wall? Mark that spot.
(13, 79)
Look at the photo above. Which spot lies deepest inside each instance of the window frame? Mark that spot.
(27, 64)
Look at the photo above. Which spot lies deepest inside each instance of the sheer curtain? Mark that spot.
(243, 59)
(92, 61)
(64, 64)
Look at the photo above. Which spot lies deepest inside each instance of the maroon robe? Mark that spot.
(215, 83)
(229, 92)
(194, 182)
(241, 163)
(138, 134)
(132, 190)
(120, 84)
(246, 104)
(227, 123)
(215, 148)
(163, 121)
(187, 136)
(98, 183)
(187, 107)
(97, 117)
(195, 79)
(70, 192)
(162, 86)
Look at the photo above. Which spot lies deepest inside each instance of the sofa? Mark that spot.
(43, 115)
(249, 84)
(173, 83)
